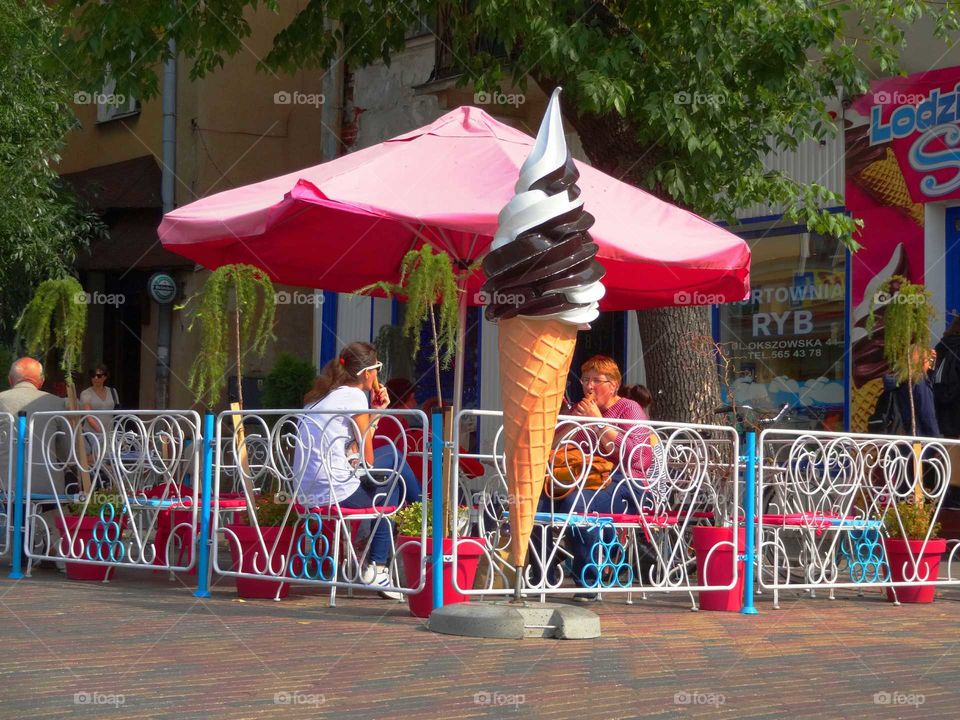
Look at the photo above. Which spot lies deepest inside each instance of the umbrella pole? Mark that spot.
(449, 483)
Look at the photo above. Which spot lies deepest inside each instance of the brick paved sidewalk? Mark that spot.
(148, 641)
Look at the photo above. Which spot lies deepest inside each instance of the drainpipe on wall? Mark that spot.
(167, 186)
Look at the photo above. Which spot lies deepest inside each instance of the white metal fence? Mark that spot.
(634, 535)
(112, 488)
(8, 445)
(828, 502)
(305, 464)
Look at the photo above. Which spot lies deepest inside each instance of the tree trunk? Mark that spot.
(685, 374)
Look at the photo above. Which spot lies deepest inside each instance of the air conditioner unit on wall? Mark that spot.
(111, 106)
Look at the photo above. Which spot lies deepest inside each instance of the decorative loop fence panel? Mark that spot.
(639, 533)
(116, 489)
(280, 519)
(828, 503)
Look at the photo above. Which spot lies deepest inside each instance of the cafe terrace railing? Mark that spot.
(316, 540)
(666, 478)
(824, 499)
(134, 475)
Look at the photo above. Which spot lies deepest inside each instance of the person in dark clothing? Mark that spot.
(946, 396)
(923, 404)
(927, 425)
(946, 381)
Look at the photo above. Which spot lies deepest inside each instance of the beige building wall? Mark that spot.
(237, 126)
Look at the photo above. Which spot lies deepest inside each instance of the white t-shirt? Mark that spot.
(320, 458)
(90, 397)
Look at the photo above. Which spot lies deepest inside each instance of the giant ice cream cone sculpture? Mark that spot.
(543, 284)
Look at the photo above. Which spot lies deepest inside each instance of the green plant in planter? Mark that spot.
(427, 279)
(410, 518)
(56, 318)
(254, 309)
(287, 382)
(271, 512)
(915, 518)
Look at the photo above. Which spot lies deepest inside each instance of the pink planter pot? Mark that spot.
(927, 566)
(720, 570)
(79, 530)
(468, 556)
(251, 588)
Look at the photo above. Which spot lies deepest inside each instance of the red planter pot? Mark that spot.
(468, 556)
(720, 570)
(251, 588)
(927, 566)
(79, 530)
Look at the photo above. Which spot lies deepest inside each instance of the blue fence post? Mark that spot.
(16, 558)
(749, 503)
(436, 468)
(206, 480)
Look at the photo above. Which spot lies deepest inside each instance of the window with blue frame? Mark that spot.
(787, 340)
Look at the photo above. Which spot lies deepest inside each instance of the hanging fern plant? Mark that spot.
(429, 284)
(254, 311)
(56, 318)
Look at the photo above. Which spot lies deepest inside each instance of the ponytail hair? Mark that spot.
(640, 394)
(342, 370)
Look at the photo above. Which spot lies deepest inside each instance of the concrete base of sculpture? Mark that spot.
(515, 621)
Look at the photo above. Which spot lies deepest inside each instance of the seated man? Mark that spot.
(26, 379)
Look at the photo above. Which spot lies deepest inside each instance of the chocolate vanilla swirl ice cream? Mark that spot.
(541, 262)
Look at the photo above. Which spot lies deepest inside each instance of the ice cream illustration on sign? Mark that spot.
(543, 284)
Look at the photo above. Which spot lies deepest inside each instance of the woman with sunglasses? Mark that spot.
(99, 397)
(327, 453)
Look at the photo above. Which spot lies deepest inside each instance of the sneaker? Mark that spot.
(381, 578)
(586, 597)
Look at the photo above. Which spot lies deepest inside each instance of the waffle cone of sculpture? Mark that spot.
(863, 402)
(884, 180)
(535, 358)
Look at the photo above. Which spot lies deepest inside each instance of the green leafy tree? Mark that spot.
(41, 224)
(684, 99)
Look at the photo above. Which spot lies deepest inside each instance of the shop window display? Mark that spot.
(786, 341)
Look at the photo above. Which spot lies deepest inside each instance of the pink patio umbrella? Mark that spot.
(348, 223)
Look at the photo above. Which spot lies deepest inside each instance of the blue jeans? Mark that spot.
(616, 498)
(385, 458)
(383, 528)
